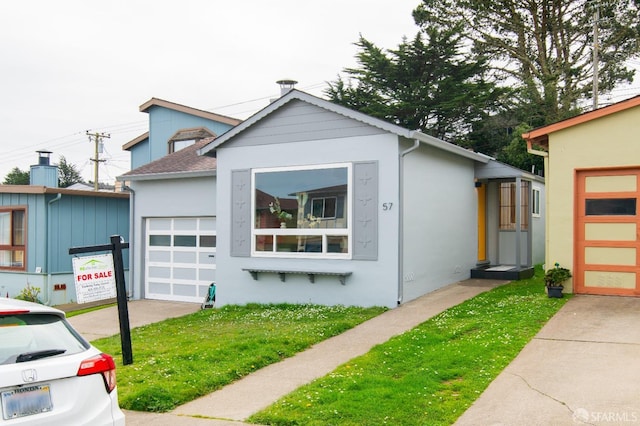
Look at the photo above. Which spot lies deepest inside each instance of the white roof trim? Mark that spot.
(347, 112)
(166, 175)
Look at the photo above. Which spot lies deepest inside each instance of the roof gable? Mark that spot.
(161, 103)
(540, 136)
(367, 120)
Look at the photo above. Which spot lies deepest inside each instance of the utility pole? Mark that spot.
(596, 18)
(97, 139)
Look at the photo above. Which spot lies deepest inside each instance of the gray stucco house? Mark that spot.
(317, 203)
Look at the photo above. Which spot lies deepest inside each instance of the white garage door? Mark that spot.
(180, 258)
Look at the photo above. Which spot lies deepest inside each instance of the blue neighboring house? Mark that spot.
(40, 222)
(172, 127)
(173, 203)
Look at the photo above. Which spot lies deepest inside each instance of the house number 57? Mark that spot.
(387, 206)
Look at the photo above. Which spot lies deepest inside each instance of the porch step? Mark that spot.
(502, 272)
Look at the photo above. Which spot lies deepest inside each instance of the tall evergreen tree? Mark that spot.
(427, 83)
(544, 48)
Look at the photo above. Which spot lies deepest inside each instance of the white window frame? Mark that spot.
(324, 232)
(535, 202)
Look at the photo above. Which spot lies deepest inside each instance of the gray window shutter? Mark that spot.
(365, 211)
(241, 213)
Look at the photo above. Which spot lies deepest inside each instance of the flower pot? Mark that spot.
(554, 291)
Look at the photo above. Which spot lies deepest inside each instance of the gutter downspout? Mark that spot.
(132, 227)
(48, 249)
(416, 144)
(545, 156)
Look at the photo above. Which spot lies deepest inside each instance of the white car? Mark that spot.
(49, 374)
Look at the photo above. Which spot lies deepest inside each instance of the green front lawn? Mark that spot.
(181, 359)
(429, 375)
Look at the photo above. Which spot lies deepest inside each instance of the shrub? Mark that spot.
(30, 294)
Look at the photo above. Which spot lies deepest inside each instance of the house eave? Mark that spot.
(449, 147)
(133, 142)
(189, 110)
(36, 189)
(166, 176)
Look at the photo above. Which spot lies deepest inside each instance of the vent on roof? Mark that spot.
(44, 157)
(286, 85)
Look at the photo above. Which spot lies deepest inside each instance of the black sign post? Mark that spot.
(115, 248)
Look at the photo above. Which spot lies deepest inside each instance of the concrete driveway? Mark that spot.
(582, 368)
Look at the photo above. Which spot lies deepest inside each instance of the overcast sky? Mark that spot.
(69, 66)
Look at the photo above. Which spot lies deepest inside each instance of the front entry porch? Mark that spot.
(510, 222)
(502, 272)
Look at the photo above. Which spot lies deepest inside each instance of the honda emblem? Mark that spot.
(29, 375)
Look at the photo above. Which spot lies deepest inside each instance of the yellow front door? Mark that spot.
(482, 222)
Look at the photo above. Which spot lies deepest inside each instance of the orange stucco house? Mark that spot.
(592, 165)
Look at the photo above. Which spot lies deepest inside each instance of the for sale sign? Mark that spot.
(94, 277)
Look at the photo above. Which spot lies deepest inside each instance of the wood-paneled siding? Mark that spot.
(54, 225)
(82, 221)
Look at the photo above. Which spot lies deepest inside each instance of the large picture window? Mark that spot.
(12, 239)
(302, 212)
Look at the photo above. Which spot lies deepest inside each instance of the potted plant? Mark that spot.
(276, 210)
(554, 279)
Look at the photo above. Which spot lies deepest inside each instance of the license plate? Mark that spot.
(26, 401)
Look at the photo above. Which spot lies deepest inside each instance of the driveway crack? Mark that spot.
(576, 416)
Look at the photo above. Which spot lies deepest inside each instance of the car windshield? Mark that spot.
(28, 337)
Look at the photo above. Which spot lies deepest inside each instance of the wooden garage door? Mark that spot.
(608, 232)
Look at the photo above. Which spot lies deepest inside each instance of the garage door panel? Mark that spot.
(159, 272)
(611, 183)
(207, 257)
(607, 238)
(159, 224)
(184, 257)
(159, 256)
(208, 275)
(184, 273)
(610, 256)
(208, 224)
(159, 288)
(610, 231)
(185, 224)
(610, 280)
(180, 258)
(185, 290)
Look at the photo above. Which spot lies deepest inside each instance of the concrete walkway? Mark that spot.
(104, 322)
